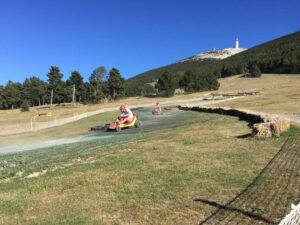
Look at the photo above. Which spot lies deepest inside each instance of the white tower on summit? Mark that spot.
(236, 43)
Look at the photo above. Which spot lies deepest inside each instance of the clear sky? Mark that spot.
(132, 35)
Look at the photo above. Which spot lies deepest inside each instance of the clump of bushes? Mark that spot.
(25, 106)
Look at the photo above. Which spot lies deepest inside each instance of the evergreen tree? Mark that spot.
(133, 89)
(148, 90)
(12, 95)
(3, 104)
(34, 91)
(166, 85)
(189, 82)
(192, 82)
(56, 84)
(212, 82)
(77, 80)
(115, 84)
(95, 88)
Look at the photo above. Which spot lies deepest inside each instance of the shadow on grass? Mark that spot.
(245, 136)
(232, 209)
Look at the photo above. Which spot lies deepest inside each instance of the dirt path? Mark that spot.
(269, 197)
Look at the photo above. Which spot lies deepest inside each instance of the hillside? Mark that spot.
(281, 55)
(139, 85)
(177, 68)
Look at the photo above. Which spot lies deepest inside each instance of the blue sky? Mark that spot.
(132, 35)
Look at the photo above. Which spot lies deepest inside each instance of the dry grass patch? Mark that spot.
(152, 182)
(278, 93)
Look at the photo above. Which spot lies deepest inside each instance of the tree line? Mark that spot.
(33, 91)
(166, 84)
(190, 82)
(99, 87)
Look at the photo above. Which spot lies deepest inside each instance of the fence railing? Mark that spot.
(33, 125)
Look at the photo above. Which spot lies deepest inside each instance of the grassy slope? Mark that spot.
(153, 181)
(278, 93)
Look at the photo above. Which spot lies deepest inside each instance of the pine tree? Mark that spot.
(193, 82)
(12, 94)
(56, 84)
(2, 98)
(166, 85)
(25, 106)
(95, 88)
(115, 84)
(34, 91)
(77, 80)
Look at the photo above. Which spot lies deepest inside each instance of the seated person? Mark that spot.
(157, 110)
(126, 115)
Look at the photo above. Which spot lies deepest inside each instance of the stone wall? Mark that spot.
(263, 125)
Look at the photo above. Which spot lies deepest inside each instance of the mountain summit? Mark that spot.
(218, 54)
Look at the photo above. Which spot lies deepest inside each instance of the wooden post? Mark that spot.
(74, 91)
(51, 101)
(31, 125)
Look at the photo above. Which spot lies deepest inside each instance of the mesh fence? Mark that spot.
(267, 199)
(293, 218)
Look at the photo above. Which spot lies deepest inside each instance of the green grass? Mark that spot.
(150, 179)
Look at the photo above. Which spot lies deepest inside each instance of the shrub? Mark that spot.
(255, 71)
(25, 106)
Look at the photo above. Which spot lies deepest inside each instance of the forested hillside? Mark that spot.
(281, 55)
(176, 68)
(138, 85)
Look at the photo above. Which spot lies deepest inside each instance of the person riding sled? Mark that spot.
(126, 115)
(157, 110)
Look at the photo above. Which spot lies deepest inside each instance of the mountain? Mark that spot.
(218, 54)
(281, 55)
